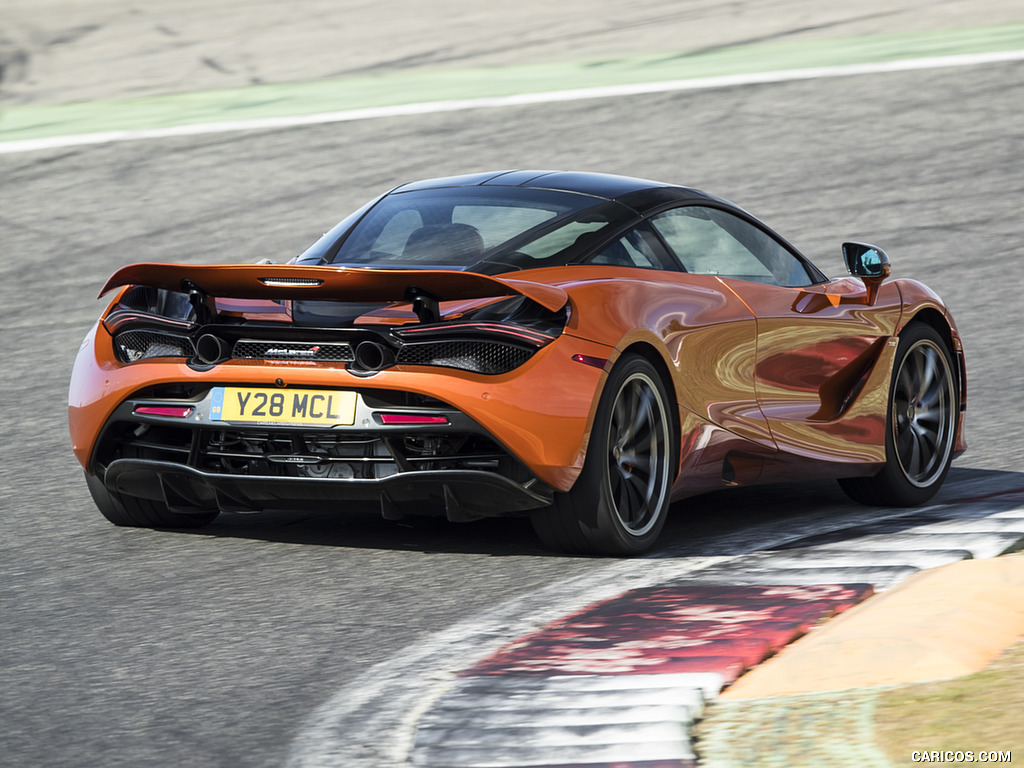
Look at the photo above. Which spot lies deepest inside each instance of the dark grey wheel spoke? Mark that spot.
(622, 494)
(636, 491)
(929, 439)
(637, 462)
(620, 420)
(636, 414)
(910, 451)
(930, 367)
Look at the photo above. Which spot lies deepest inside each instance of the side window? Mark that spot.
(709, 241)
(630, 250)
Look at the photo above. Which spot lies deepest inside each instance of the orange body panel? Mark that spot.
(540, 412)
(706, 337)
(805, 382)
(819, 382)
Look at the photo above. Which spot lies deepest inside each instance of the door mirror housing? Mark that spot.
(864, 260)
(870, 263)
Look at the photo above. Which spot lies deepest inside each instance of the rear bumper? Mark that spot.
(460, 495)
(540, 412)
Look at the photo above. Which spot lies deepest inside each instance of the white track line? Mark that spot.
(456, 105)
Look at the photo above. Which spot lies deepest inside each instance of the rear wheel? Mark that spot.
(142, 513)
(920, 425)
(621, 498)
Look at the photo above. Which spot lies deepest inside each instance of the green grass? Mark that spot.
(980, 712)
(877, 727)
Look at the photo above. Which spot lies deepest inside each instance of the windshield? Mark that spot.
(478, 229)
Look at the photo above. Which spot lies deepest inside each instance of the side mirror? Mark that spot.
(868, 262)
(863, 260)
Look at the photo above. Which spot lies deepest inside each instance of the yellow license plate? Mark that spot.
(324, 407)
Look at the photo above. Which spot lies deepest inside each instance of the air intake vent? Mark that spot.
(478, 356)
(131, 346)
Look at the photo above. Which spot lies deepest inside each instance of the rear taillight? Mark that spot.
(411, 418)
(170, 411)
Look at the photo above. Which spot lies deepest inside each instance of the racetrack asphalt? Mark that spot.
(136, 647)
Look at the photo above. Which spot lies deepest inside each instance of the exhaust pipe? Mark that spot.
(211, 349)
(372, 356)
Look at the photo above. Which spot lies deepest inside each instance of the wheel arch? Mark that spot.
(942, 324)
(937, 320)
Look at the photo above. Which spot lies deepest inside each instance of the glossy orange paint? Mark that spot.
(818, 383)
(705, 336)
(547, 431)
(802, 386)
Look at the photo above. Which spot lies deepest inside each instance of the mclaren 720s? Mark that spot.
(580, 348)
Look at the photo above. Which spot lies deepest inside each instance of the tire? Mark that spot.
(134, 512)
(620, 501)
(920, 424)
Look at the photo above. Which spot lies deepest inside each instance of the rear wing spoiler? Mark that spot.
(291, 281)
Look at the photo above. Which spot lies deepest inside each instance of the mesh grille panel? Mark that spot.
(130, 346)
(248, 349)
(477, 356)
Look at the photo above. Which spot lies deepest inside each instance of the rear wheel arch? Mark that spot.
(619, 503)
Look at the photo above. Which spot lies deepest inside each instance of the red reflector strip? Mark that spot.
(175, 412)
(597, 362)
(411, 418)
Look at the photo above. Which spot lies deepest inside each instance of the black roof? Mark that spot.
(639, 194)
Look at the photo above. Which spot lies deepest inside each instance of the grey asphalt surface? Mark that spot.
(55, 51)
(129, 647)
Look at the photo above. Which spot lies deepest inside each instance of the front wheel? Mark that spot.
(920, 424)
(620, 501)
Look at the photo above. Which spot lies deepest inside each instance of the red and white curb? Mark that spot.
(619, 683)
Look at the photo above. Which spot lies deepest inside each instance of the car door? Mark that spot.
(818, 341)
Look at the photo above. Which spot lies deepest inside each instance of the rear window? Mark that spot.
(486, 229)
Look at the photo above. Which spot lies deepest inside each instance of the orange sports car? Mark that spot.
(580, 348)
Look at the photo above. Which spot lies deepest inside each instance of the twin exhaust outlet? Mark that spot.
(370, 356)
